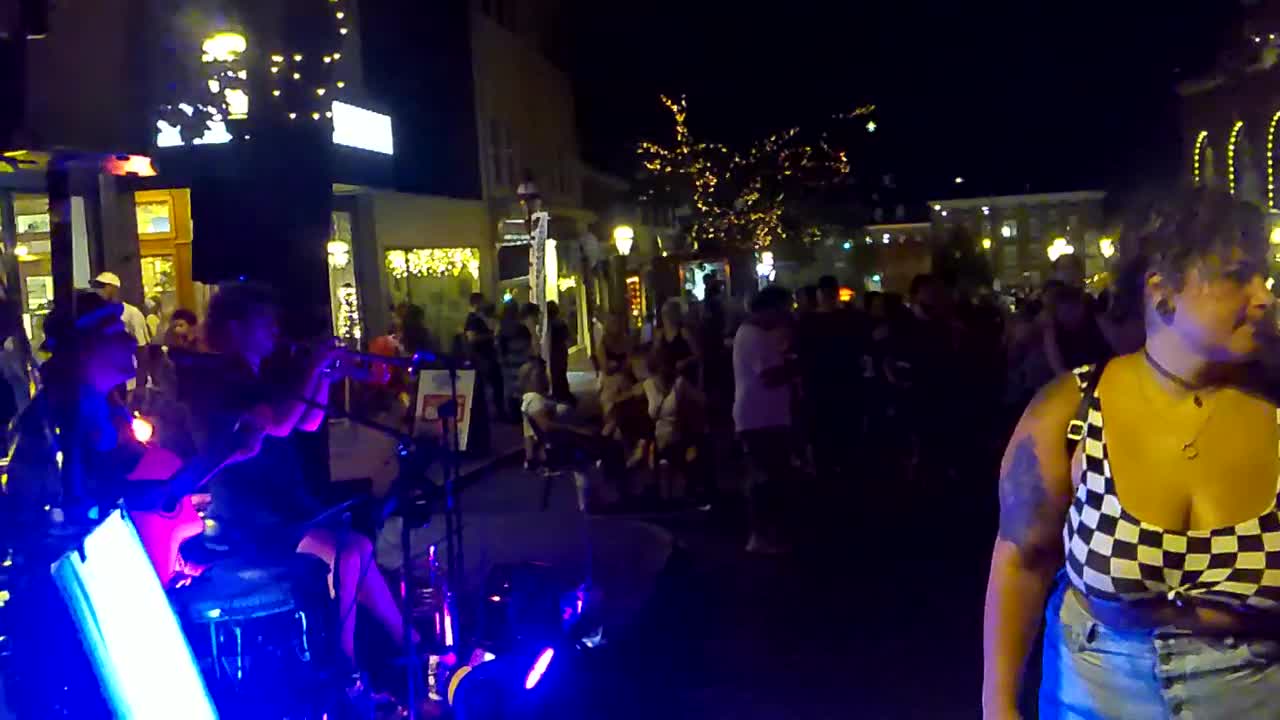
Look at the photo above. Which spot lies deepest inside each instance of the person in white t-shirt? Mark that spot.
(537, 406)
(107, 285)
(557, 431)
(763, 370)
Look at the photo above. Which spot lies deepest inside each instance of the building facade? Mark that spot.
(1230, 116)
(889, 255)
(1023, 234)
(525, 122)
(228, 85)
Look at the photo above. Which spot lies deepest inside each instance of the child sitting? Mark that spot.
(537, 406)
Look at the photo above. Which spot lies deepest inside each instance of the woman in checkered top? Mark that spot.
(1156, 541)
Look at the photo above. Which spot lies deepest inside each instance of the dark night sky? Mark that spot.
(1057, 96)
(1008, 94)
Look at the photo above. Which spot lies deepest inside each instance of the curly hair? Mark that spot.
(236, 302)
(1173, 233)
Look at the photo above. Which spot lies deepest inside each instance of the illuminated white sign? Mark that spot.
(359, 128)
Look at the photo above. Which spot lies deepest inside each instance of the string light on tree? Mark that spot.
(738, 198)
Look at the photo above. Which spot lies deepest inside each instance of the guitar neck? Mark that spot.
(197, 471)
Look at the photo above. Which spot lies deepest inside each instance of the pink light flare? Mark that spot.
(539, 668)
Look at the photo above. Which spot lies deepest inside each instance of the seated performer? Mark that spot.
(72, 460)
(261, 503)
(69, 452)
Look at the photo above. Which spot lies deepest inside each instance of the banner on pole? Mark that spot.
(435, 391)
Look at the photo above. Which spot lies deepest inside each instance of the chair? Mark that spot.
(561, 457)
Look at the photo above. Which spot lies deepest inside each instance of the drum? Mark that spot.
(264, 636)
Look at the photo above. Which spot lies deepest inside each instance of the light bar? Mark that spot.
(129, 631)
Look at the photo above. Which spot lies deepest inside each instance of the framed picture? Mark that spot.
(155, 218)
(39, 291)
(31, 224)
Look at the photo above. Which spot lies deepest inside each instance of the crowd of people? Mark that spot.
(820, 398)
(803, 385)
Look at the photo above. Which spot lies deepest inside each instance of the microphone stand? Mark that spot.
(414, 460)
(415, 510)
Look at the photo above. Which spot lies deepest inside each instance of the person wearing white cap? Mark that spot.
(107, 284)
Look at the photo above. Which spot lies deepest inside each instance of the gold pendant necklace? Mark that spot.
(1188, 449)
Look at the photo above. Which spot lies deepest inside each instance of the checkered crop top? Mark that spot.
(1114, 556)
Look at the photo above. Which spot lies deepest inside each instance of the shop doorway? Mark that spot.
(438, 280)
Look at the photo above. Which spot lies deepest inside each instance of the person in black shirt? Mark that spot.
(262, 503)
(559, 340)
(831, 356)
(483, 352)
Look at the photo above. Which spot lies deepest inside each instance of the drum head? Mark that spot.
(234, 589)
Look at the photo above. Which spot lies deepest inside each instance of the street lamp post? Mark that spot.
(624, 238)
(538, 221)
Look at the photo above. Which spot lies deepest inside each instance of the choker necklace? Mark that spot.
(1174, 378)
(1188, 448)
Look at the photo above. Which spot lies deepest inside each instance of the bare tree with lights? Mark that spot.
(758, 198)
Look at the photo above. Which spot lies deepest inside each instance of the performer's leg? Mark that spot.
(359, 581)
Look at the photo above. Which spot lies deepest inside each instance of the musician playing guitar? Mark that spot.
(260, 503)
(73, 459)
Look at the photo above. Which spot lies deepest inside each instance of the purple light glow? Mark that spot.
(448, 625)
(539, 668)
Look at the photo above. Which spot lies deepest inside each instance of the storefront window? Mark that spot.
(440, 281)
(35, 270)
(695, 275)
(159, 292)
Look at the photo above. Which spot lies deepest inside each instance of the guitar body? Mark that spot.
(162, 534)
(163, 531)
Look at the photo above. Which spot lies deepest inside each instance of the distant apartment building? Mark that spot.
(895, 253)
(1024, 233)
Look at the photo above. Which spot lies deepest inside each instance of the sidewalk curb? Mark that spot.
(487, 463)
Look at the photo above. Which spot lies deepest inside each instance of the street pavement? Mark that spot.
(503, 519)
(877, 613)
(859, 622)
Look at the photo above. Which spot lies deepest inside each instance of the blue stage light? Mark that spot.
(130, 633)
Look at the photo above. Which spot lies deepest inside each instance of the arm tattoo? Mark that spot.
(1023, 498)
